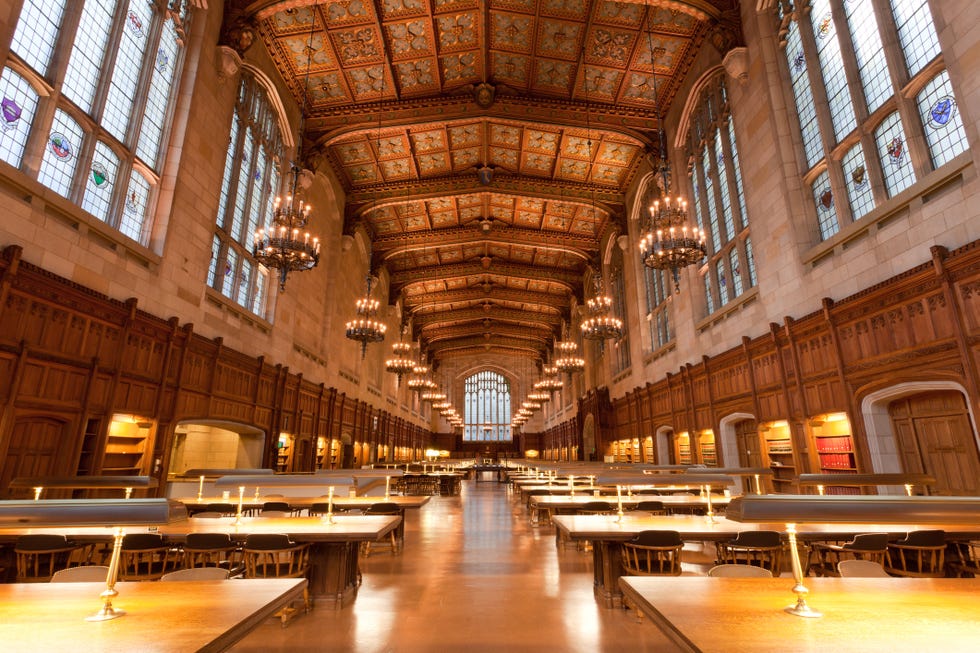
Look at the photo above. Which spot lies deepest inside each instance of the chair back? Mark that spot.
(197, 573)
(595, 508)
(924, 538)
(757, 538)
(223, 508)
(653, 553)
(274, 555)
(861, 569)
(39, 556)
(276, 505)
(145, 556)
(212, 550)
(652, 507)
(868, 542)
(383, 508)
(86, 574)
(738, 571)
(756, 548)
(320, 508)
(922, 554)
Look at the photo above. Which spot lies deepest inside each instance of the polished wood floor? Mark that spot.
(475, 576)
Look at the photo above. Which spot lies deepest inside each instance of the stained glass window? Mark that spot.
(893, 151)
(110, 106)
(943, 124)
(823, 197)
(617, 282)
(250, 181)
(815, 33)
(716, 182)
(18, 102)
(657, 286)
(487, 408)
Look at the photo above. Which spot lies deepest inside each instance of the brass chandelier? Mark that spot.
(601, 324)
(400, 364)
(366, 328)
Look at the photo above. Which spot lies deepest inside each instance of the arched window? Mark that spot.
(617, 287)
(487, 408)
(111, 69)
(859, 114)
(718, 197)
(251, 178)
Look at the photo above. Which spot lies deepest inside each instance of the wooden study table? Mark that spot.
(559, 504)
(160, 617)
(607, 536)
(897, 615)
(333, 552)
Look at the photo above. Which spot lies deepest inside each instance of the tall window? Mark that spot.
(487, 412)
(110, 70)
(874, 121)
(251, 178)
(657, 295)
(617, 282)
(718, 197)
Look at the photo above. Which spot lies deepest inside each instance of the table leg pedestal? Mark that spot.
(607, 568)
(334, 577)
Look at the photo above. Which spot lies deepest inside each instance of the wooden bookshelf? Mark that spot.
(707, 448)
(682, 444)
(834, 447)
(126, 447)
(779, 449)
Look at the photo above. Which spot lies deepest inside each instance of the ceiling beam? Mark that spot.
(401, 278)
(394, 245)
(485, 293)
(495, 314)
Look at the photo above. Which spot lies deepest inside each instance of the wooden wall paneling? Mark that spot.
(852, 407)
(955, 302)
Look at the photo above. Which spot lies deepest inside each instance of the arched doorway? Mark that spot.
(924, 427)
(588, 437)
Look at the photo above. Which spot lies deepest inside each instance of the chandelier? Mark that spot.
(366, 328)
(539, 397)
(433, 396)
(400, 364)
(530, 405)
(669, 243)
(602, 324)
(565, 359)
(285, 245)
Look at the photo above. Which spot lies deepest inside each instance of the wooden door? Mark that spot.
(935, 437)
(749, 448)
(35, 443)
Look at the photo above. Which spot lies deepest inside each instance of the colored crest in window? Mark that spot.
(799, 61)
(135, 24)
(825, 24)
(132, 202)
(860, 177)
(826, 202)
(100, 177)
(60, 146)
(11, 112)
(163, 59)
(896, 150)
(942, 112)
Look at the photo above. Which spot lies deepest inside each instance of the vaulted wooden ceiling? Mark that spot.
(408, 99)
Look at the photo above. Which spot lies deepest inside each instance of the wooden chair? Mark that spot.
(274, 555)
(146, 556)
(824, 557)
(757, 548)
(595, 508)
(653, 553)
(922, 554)
(85, 574)
(390, 540)
(968, 558)
(861, 569)
(534, 513)
(280, 506)
(738, 571)
(652, 507)
(197, 573)
(213, 550)
(39, 556)
(226, 509)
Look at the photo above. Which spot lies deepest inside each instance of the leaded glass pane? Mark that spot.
(736, 168)
(88, 53)
(709, 194)
(709, 299)
(736, 269)
(893, 151)
(61, 154)
(259, 181)
(17, 106)
(941, 120)
(261, 283)
(244, 297)
(487, 407)
(133, 218)
(101, 181)
(832, 67)
(823, 197)
(796, 58)
(157, 100)
(213, 265)
(37, 32)
(916, 32)
(244, 187)
(229, 170)
(231, 266)
(870, 55)
(726, 201)
(858, 184)
(750, 259)
(720, 275)
(126, 73)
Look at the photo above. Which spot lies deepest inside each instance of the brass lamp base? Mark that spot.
(801, 609)
(106, 613)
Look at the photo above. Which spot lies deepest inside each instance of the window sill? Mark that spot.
(232, 309)
(737, 305)
(660, 353)
(899, 206)
(45, 201)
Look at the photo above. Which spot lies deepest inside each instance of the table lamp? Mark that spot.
(756, 473)
(792, 509)
(907, 481)
(126, 483)
(116, 513)
(621, 479)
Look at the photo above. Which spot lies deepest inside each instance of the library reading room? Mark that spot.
(428, 326)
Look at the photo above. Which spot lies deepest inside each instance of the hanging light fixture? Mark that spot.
(400, 363)
(601, 324)
(669, 243)
(285, 245)
(366, 328)
(566, 359)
